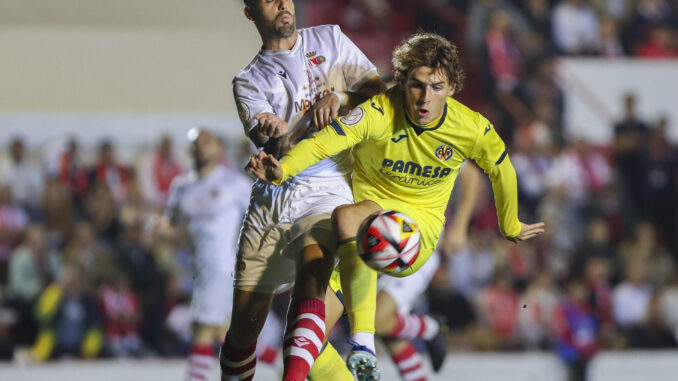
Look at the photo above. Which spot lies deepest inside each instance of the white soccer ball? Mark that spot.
(389, 241)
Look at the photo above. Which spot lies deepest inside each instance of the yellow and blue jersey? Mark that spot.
(395, 159)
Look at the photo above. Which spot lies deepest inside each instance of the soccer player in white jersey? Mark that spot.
(297, 82)
(206, 207)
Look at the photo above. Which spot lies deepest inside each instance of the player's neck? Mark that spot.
(205, 170)
(283, 43)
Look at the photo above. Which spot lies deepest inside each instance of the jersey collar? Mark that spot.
(420, 129)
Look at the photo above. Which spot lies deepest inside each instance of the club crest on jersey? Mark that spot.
(314, 60)
(444, 152)
(353, 117)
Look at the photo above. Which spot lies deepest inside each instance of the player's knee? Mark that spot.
(340, 215)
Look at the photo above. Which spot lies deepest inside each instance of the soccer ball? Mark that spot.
(389, 241)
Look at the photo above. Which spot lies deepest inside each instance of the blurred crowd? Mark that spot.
(81, 274)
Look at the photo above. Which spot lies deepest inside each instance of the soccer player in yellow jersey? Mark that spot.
(408, 145)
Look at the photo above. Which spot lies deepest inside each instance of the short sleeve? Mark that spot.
(250, 101)
(357, 67)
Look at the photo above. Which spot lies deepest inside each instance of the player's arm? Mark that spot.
(489, 152)
(328, 107)
(169, 226)
(256, 113)
(361, 123)
(456, 234)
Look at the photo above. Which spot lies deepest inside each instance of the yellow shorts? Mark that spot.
(430, 228)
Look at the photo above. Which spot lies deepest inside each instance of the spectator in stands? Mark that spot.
(631, 299)
(69, 321)
(102, 211)
(121, 314)
(609, 42)
(25, 178)
(662, 184)
(540, 300)
(668, 306)
(135, 259)
(57, 212)
(503, 52)
(576, 330)
(13, 221)
(659, 45)
(108, 171)
(643, 246)
(597, 273)
(156, 171)
(32, 267)
(597, 243)
(575, 27)
(72, 173)
(630, 148)
(497, 309)
(85, 255)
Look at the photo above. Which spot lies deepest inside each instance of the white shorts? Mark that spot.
(406, 290)
(277, 226)
(212, 299)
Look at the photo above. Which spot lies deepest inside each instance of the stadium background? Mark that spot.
(87, 88)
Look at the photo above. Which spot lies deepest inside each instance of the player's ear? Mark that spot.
(248, 12)
(451, 91)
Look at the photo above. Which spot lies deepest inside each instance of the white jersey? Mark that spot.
(288, 82)
(212, 208)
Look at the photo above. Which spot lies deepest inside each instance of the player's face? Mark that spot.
(273, 17)
(426, 92)
(206, 149)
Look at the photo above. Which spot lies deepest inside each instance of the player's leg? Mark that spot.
(409, 362)
(237, 356)
(261, 271)
(359, 285)
(329, 365)
(395, 301)
(202, 357)
(305, 331)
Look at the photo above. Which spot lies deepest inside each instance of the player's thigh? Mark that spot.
(347, 218)
(261, 265)
(429, 227)
(212, 297)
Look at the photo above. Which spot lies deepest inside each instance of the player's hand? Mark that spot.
(325, 110)
(455, 239)
(264, 166)
(270, 125)
(528, 231)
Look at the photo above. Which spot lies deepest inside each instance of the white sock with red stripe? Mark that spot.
(411, 326)
(200, 363)
(237, 364)
(410, 364)
(304, 337)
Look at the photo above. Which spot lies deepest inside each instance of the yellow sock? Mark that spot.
(359, 286)
(329, 366)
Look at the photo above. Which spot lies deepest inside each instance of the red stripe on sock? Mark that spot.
(405, 354)
(422, 325)
(206, 350)
(400, 324)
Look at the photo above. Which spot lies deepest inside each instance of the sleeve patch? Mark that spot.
(243, 112)
(354, 117)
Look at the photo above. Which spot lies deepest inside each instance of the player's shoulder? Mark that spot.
(321, 31)
(381, 105)
(183, 181)
(465, 116)
(253, 72)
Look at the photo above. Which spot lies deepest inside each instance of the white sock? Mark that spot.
(364, 338)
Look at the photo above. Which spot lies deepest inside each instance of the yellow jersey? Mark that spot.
(396, 159)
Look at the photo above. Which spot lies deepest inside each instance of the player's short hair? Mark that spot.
(428, 49)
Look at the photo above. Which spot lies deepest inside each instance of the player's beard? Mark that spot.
(284, 30)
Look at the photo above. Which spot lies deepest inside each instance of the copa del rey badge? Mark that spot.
(353, 117)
